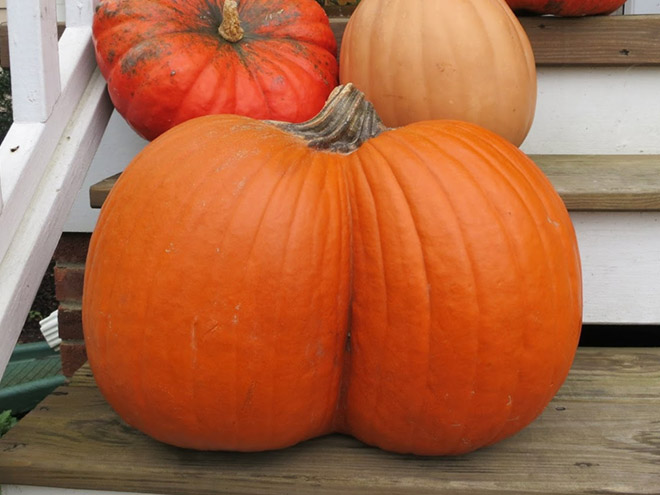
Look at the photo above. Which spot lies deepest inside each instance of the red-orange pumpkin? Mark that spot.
(167, 61)
(251, 285)
(567, 8)
(437, 59)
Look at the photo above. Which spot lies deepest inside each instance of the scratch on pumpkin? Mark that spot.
(234, 320)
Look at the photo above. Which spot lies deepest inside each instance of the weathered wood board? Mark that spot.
(601, 434)
(601, 40)
(604, 182)
(585, 182)
(593, 40)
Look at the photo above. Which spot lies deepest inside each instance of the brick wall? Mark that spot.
(69, 272)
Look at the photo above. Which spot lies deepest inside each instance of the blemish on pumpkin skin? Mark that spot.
(239, 187)
(248, 397)
(234, 319)
(140, 54)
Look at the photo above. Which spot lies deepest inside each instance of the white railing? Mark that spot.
(61, 109)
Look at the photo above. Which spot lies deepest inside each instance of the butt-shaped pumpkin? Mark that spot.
(253, 284)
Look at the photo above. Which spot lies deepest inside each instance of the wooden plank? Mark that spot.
(631, 374)
(594, 437)
(594, 40)
(99, 191)
(604, 182)
(585, 182)
(41, 490)
(4, 44)
(604, 40)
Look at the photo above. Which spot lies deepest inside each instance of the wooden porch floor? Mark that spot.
(601, 434)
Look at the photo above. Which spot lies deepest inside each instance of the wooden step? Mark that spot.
(617, 40)
(585, 182)
(600, 434)
(599, 40)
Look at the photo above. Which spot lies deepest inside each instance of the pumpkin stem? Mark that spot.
(345, 122)
(231, 29)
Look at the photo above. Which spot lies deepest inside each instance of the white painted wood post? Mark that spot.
(32, 27)
(642, 7)
(61, 110)
(79, 12)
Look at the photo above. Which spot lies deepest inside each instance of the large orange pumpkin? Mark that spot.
(251, 285)
(168, 61)
(441, 59)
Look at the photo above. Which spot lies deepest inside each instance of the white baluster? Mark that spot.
(35, 70)
(80, 12)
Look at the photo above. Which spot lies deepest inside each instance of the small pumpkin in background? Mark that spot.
(168, 61)
(251, 284)
(437, 59)
(566, 8)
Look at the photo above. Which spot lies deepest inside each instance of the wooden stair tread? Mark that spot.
(616, 40)
(604, 182)
(585, 182)
(599, 435)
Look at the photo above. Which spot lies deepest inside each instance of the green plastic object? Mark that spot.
(34, 371)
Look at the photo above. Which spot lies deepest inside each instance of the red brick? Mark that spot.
(69, 321)
(69, 282)
(72, 248)
(73, 356)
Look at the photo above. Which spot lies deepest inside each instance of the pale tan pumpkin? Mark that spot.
(465, 60)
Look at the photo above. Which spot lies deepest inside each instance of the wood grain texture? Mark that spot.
(601, 434)
(584, 182)
(4, 43)
(595, 40)
(605, 40)
(99, 191)
(604, 182)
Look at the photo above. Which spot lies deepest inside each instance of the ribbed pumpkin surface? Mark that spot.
(421, 293)
(466, 290)
(441, 59)
(165, 61)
